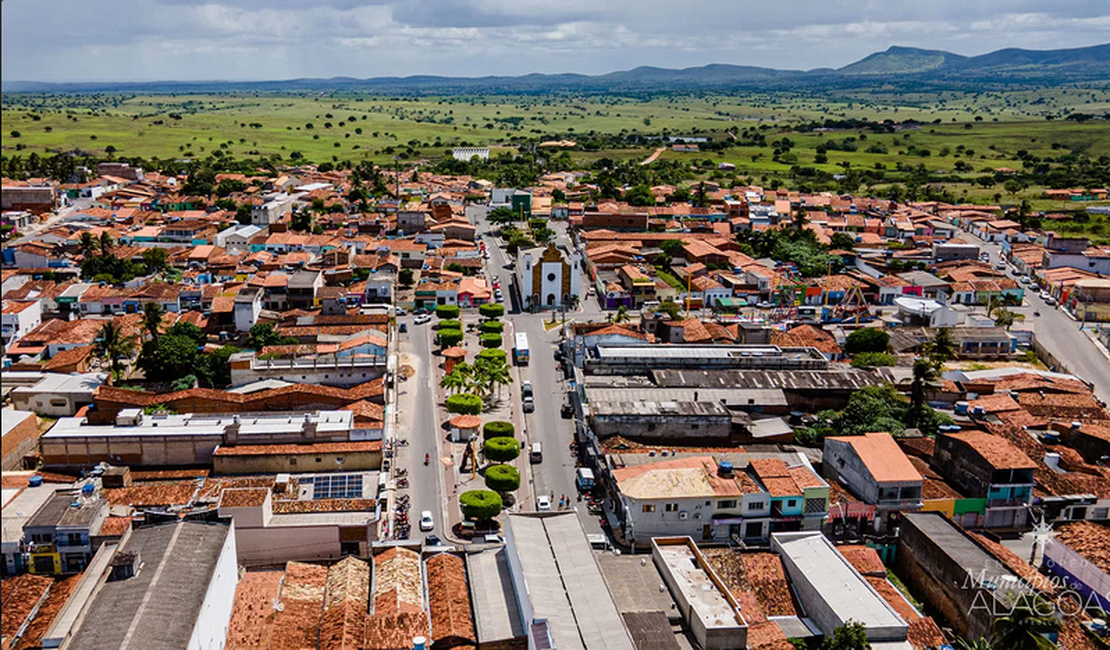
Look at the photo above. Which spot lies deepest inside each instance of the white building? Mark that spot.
(58, 395)
(248, 305)
(236, 237)
(465, 154)
(547, 278)
(18, 319)
(344, 372)
(273, 209)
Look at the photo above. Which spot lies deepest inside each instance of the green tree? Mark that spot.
(464, 404)
(978, 644)
(502, 216)
(671, 308)
(501, 450)
(449, 337)
(495, 372)
(106, 243)
(873, 359)
(262, 335)
(498, 429)
(155, 260)
(113, 345)
(672, 248)
(88, 244)
(492, 327)
(1023, 629)
(1013, 186)
(243, 214)
(491, 310)
(490, 340)
(850, 636)
(640, 195)
(153, 312)
(868, 339)
(1006, 318)
(944, 346)
(169, 358)
(405, 276)
(480, 505)
(621, 315)
(502, 478)
(924, 374)
(842, 241)
(447, 311)
(453, 382)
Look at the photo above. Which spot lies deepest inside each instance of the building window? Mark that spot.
(727, 504)
(670, 507)
(648, 507)
(550, 277)
(790, 503)
(814, 506)
(756, 505)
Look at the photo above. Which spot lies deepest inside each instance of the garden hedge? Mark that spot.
(448, 338)
(498, 429)
(495, 355)
(465, 404)
(492, 327)
(481, 505)
(501, 450)
(502, 478)
(490, 340)
(449, 324)
(491, 310)
(447, 311)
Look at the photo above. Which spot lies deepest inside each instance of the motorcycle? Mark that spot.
(402, 482)
(1037, 313)
(427, 459)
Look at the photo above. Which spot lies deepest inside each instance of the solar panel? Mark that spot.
(341, 486)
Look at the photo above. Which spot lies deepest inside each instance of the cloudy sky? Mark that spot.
(83, 40)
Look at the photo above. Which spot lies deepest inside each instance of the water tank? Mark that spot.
(1098, 625)
(35, 481)
(961, 408)
(724, 468)
(1051, 438)
(977, 411)
(88, 489)
(419, 643)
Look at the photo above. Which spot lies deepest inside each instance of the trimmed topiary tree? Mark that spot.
(492, 327)
(495, 355)
(490, 340)
(447, 311)
(480, 505)
(448, 338)
(491, 310)
(502, 478)
(501, 450)
(449, 324)
(498, 429)
(464, 404)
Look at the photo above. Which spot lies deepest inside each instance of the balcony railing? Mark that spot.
(1004, 503)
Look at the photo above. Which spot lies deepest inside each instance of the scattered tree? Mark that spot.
(480, 505)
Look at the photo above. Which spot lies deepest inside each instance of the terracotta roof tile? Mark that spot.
(864, 558)
(302, 598)
(253, 614)
(243, 497)
(48, 610)
(999, 452)
(449, 598)
(299, 449)
(115, 526)
(21, 595)
(767, 578)
(882, 457)
(1088, 540)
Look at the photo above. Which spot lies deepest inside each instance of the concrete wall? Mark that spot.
(665, 427)
(50, 404)
(83, 451)
(644, 525)
(21, 440)
(276, 544)
(210, 630)
(278, 463)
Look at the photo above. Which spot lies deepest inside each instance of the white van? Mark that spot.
(536, 453)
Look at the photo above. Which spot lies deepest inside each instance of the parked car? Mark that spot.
(567, 411)
(403, 327)
(529, 404)
(422, 318)
(526, 389)
(433, 540)
(420, 311)
(765, 305)
(400, 311)
(493, 539)
(543, 503)
(1024, 279)
(426, 521)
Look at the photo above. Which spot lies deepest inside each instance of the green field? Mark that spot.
(961, 136)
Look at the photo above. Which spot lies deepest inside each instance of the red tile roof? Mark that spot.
(48, 610)
(864, 558)
(1088, 540)
(253, 614)
(449, 599)
(882, 457)
(999, 452)
(299, 449)
(20, 596)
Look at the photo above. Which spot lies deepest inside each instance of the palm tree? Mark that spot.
(994, 303)
(800, 220)
(453, 382)
(924, 373)
(944, 346)
(622, 315)
(498, 375)
(88, 244)
(1023, 630)
(1005, 318)
(106, 243)
(978, 644)
(111, 343)
(152, 319)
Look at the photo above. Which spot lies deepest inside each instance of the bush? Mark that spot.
(490, 340)
(492, 327)
(494, 355)
(501, 450)
(498, 429)
(405, 277)
(491, 310)
(447, 338)
(449, 324)
(465, 404)
(480, 505)
(873, 359)
(502, 478)
(447, 311)
(868, 339)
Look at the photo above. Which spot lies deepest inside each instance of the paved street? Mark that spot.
(419, 425)
(1060, 334)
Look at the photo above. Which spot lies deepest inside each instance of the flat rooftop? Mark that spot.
(634, 585)
(11, 419)
(608, 352)
(846, 379)
(811, 558)
(67, 510)
(957, 546)
(159, 606)
(734, 396)
(692, 579)
(20, 508)
(496, 614)
(327, 422)
(564, 585)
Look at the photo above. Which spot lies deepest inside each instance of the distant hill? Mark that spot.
(902, 60)
(897, 65)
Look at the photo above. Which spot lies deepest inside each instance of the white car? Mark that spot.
(543, 503)
(426, 521)
(422, 318)
(1024, 279)
(400, 311)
